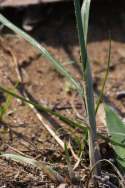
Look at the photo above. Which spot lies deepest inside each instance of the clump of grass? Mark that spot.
(85, 90)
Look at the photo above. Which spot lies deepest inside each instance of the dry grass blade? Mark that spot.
(49, 129)
(39, 116)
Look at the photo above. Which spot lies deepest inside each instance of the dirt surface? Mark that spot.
(24, 132)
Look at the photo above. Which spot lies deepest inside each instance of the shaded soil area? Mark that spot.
(21, 131)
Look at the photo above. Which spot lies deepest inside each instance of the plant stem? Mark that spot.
(88, 87)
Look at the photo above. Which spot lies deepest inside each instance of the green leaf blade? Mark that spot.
(19, 158)
(85, 17)
(116, 129)
(59, 67)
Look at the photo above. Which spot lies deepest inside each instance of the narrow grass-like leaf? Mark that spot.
(105, 78)
(39, 107)
(88, 84)
(43, 52)
(67, 154)
(83, 51)
(36, 164)
(116, 129)
(86, 69)
(20, 158)
(85, 17)
(85, 61)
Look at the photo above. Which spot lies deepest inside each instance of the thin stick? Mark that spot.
(50, 130)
